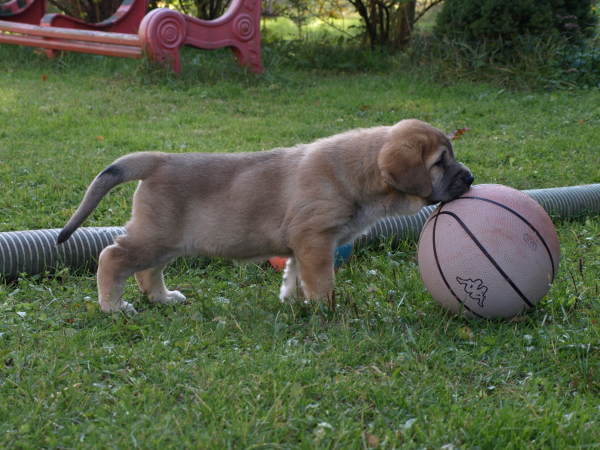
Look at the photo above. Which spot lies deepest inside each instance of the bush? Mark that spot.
(507, 19)
(527, 62)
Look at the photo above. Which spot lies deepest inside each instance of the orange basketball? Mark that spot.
(493, 252)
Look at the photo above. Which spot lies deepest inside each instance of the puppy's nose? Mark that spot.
(468, 179)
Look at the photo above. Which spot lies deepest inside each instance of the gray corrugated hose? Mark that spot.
(561, 203)
(34, 252)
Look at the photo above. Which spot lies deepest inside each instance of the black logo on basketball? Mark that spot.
(530, 241)
(474, 288)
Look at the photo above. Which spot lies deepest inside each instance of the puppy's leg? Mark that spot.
(114, 267)
(316, 272)
(291, 287)
(152, 283)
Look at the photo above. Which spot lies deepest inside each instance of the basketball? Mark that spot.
(491, 253)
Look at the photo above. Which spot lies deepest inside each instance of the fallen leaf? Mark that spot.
(466, 333)
(44, 78)
(458, 133)
(372, 440)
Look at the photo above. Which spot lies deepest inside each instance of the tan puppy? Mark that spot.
(300, 202)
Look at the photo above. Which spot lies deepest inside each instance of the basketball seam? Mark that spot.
(488, 256)
(525, 221)
(437, 263)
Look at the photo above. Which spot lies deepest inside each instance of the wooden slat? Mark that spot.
(73, 46)
(68, 33)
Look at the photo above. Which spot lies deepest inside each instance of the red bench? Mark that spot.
(126, 19)
(161, 34)
(23, 11)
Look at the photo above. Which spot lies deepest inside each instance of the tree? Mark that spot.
(391, 22)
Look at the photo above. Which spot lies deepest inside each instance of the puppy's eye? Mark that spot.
(441, 162)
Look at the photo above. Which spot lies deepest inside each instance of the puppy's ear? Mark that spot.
(402, 166)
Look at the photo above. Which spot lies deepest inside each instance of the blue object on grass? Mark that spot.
(342, 254)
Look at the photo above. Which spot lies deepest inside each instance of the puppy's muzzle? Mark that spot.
(468, 179)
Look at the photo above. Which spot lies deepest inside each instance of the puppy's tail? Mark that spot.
(136, 166)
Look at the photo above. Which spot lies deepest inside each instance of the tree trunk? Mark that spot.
(405, 20)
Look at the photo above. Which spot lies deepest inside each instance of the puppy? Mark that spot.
(299, 202)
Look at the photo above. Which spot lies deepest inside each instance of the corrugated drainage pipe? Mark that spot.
(560, 203)
(35, 252)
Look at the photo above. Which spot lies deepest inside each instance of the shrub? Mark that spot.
(507, 19)
(527, 62)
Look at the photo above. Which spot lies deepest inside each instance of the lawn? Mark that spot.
(235, 368)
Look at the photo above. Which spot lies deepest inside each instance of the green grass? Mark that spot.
(235, 368)
(314, 29)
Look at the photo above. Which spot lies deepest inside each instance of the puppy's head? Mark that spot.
(418, 159)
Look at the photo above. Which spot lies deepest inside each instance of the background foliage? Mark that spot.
(517, 43)
(508, 19)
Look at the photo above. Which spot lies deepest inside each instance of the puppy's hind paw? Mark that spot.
(129, 309)
(122, 306)
(172, 298)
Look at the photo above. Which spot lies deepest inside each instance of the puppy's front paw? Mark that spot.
(289, 293)
(128, 308)
(291, 289)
